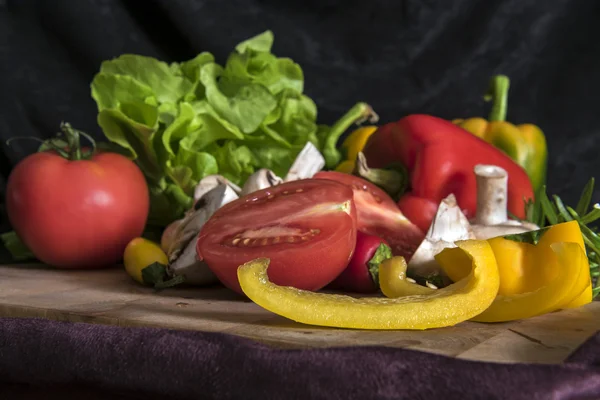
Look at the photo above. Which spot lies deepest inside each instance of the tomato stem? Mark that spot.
(74, 144)
(69, 148)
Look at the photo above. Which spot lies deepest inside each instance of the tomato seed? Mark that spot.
(315, 231)
(265, 241)
(246, 241)
(291, 239)
(276, 240)
(235, 241)
(271, 196)
(299, 190)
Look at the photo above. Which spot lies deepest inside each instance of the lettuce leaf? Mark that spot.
(185, 120)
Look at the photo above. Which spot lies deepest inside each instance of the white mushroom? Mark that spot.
(491, 218)
(308, 162)
(448, 226)
(210, 182)
(182, 252)
(261, 179)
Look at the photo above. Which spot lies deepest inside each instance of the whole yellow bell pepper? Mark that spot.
(525, 144)
(532, 268)
(352, 145)
(442, 307)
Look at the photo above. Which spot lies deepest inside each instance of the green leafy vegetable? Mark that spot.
(183, 121)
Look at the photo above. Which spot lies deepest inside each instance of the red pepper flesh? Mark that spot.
(440, 158)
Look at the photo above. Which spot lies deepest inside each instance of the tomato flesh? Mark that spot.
(378, 214)
(306, 228)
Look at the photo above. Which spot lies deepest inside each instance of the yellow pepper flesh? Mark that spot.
(392, 279)
(532, 276)
(352, 145)
(444, 307)
(561, 291)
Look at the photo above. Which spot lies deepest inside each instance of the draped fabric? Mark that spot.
(401, 56)
(110, 362)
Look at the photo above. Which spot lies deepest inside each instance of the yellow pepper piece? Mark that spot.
(524, 267)
(586, 297)
(571, 232)
(392, 279)
(555, 295)
(444, 307)
(352, 145)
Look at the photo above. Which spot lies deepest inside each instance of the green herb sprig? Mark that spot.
(544, 211)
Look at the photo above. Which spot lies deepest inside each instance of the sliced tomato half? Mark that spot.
(378, 214)
(306, 228)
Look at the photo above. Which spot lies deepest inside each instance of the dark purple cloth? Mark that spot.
(153, 363)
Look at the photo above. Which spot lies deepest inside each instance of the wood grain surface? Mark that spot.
(110, 297)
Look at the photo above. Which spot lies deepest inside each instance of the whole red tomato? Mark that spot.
(307, 229)
(77, 213)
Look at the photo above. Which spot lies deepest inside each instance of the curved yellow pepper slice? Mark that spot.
(561, 291)
(532, 276)
(444, 307)
(393, 280)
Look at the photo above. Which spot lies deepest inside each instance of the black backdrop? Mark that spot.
(402, 56)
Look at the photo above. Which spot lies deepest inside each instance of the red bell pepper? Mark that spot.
(440, 158)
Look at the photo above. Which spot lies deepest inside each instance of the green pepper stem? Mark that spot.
(382, 253)
(498, 95)
(176, 280)
(359, 113)
(393, 180)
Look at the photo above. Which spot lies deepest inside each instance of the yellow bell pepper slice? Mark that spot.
(561, 291)
(444, 307)
(532, 277)
(523, 267)
(393, 280)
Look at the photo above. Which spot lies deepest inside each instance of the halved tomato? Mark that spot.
(306, 228)
(378, 214)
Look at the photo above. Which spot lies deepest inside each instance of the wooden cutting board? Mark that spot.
(111, 297)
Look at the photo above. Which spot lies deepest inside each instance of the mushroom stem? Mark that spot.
(492, 182)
